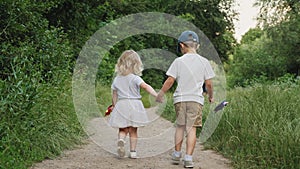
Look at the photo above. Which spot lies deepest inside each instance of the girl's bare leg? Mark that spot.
(123, 132)
(133, 138)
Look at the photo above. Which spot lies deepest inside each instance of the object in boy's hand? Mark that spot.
(221, 106)
(108, 110)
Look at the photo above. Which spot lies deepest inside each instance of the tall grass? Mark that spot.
(41, 130)
(168, 111)
(261, 127)
(103, 97)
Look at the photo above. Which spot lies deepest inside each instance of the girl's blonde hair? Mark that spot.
(129, 62)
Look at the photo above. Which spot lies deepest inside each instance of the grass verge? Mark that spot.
(41, 131)
(260, 128)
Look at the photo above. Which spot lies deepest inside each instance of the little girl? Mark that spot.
(128, 110)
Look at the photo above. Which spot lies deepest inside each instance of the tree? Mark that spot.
(281, 20)
(214, 18)
(29, 45)
(251, 35)
(253, 62)
(272, 50)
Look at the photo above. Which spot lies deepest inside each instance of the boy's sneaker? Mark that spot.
(133, 154)
(175, 159)
(188, 164)
(121, 150)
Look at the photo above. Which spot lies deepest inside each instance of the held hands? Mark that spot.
(160, 97)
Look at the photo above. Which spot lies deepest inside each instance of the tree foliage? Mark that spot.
(214, 18)
(272, 50)
(281, 19)
(253, 63)
(81, 19)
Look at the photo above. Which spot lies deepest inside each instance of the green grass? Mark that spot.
(260, 128)
(103, 97)
(43, 131)
(168, 111)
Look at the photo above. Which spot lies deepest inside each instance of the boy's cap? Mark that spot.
(187, 36)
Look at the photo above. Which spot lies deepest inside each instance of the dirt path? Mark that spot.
(155, 145)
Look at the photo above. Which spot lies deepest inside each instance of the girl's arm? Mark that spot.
(114, 98)
(148, 88)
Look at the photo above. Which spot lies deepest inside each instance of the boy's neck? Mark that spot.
(189, 51)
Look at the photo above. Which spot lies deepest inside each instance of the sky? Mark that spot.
(246, 17)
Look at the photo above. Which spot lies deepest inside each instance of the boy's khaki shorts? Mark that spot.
(189, 114)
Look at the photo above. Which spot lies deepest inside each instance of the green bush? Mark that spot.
(268, 64)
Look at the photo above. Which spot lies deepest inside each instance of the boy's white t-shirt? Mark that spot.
(190, 72)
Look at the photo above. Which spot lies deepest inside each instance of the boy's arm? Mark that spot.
(114, 98)
(167, 85)
(209, 88)
(149, 89)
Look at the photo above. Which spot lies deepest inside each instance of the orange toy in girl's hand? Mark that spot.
(109, 110)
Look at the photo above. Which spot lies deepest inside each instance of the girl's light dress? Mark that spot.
(129, 109)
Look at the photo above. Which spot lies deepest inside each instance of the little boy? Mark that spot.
(190, 71)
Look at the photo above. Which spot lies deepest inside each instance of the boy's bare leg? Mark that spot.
(191, 140)
(179, 134)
